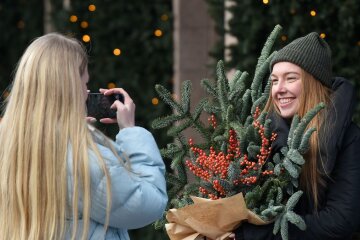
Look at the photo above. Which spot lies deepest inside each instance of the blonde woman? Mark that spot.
(59, 177)
(301, 76)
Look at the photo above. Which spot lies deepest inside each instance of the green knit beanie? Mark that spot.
(311, 53)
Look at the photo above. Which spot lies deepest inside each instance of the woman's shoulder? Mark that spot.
(351, 135)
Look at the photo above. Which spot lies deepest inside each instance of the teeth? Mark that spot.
(285, 100)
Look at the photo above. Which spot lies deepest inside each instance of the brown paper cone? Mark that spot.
(215, 219)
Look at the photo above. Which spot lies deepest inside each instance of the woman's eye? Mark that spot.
(291, 79)
(274, 81)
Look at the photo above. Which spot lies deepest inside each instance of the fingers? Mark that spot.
(103, 90)
(108, 120)
(91, 119)
(127, 98)
(118, 105)
(125, 112)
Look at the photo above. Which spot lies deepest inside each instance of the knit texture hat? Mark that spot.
(311, 53)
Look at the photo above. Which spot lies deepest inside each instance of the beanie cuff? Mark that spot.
(311, 53)
(310, 66)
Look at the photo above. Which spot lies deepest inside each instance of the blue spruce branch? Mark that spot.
(266, 50)
(185, 95)
(166, 96)
(209, 87)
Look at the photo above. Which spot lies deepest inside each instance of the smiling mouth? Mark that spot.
(284, 101)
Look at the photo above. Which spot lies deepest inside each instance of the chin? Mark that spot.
(287, 114)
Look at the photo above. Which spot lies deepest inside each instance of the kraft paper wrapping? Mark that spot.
(215, 219)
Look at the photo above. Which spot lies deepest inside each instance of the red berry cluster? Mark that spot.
(214, 165)
(212, 121)
(251, 168)
(219, 188)
(206, 193)
(265, 143)
(256, 113)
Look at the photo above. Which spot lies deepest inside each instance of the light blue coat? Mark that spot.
(138, 198)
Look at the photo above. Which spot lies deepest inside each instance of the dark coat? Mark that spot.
(338, 215)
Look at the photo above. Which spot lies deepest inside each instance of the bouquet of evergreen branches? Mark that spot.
(234, 154)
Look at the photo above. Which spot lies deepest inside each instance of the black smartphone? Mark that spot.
(98, 105)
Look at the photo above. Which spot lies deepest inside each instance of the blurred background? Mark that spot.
(137, 44)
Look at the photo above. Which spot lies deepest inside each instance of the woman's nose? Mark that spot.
(281, 87)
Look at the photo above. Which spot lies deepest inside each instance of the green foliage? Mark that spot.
(282, 222)
(230, 103)
(298, 141)
(236, 106)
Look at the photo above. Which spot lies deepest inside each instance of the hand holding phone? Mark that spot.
(98, 105)
(125, 110)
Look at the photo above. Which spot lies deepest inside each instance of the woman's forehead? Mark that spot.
(285, 68)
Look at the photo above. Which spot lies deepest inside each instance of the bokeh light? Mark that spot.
(21, 24)
(86, 38)
(84, 24)
(164, 17)
(73, 18)
(158, 33)
(92, 8)
(155, 101)
(117, 51)
(111, 85)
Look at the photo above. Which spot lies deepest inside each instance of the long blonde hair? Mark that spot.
(313, 92)
(45, 114)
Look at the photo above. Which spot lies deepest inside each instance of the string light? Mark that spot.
(293, 11)
(358, 43)
(86, 38)
(158, 33)
(92, 7)
(266, 1)
(117, 51)
(155, 101)
(84, 24)
(111, 85)
(284, 38)
(21, 24)
(164, 17)
(73, 18)
(313, 13)
(323, 35)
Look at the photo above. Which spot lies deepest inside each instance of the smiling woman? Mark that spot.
(286, 88)
(301, 78)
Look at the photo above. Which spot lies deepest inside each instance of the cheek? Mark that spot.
(273, 92)
(297, 90)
